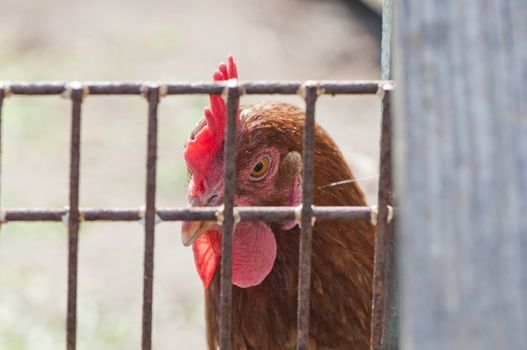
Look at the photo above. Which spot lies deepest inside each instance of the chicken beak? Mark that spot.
(191, 230)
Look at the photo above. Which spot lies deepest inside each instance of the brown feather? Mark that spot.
(264, 316)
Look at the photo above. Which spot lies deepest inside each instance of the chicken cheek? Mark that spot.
(253, 253)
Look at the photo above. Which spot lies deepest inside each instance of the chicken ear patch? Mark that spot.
(253, 253)
(294, 200)
(294, 162)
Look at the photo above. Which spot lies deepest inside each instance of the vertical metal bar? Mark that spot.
(233, 99)
(384, 305)
(73, 218)
(386, 48)
(383, 326)
(152, 95)
(304, 270)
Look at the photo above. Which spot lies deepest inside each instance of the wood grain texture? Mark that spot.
(461, 172)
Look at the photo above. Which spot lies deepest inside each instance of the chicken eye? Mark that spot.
(260, 169)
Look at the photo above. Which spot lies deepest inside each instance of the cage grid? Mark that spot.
(228, 214)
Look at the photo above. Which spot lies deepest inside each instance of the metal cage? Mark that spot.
(227, 214)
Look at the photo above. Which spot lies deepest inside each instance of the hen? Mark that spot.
(265, 255)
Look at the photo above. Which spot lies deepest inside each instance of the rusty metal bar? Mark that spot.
(267, 214)
(152, 95)
(306, 226)
(233, 100)
(178, 88)
(384, 335)
(73, 218)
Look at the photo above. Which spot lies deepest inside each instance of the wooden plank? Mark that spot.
(461, 172)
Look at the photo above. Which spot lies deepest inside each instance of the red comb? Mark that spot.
(201, 151)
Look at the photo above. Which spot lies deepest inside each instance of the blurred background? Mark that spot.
(140, 40)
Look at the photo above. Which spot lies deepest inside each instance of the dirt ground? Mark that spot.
(140, 40)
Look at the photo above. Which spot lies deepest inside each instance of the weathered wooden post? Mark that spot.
(461, 172)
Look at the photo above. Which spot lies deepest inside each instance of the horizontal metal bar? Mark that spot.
(269, 214)
(328, 87)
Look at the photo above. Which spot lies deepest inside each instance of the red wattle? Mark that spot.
(207, 251)
(253, 254)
